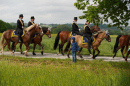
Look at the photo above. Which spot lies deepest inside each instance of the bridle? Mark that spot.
(102, 38)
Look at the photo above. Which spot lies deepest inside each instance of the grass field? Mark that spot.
(19, 71)
(106, 48)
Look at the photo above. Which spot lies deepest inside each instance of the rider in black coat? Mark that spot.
(88, 34)
(31, 22)
(75, 28)
(19, 29)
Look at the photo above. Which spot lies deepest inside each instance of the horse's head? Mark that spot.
(95, 28)
(38, 29)
(47, 31)
(107, 37)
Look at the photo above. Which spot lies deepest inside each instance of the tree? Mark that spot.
(102, 10)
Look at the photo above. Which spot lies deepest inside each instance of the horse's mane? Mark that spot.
(30, 27)
(96, 35)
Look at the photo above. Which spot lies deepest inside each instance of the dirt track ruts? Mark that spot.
(51, 55)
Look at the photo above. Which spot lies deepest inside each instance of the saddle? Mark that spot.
(14, 34)
(85, 40)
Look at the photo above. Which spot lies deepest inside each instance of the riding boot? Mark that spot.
(89, 45)
(19, 38)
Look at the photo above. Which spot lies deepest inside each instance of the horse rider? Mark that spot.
(75, 28)
(32, 21)
(19, 29)
(88, 34)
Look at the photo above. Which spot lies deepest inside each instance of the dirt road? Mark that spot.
(50, 55)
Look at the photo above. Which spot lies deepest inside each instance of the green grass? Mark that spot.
(106, 48)
(19, 71)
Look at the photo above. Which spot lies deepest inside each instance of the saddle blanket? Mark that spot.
(14, 34)
(85, 41)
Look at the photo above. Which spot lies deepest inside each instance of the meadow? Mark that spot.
(106, 48)
(19, 71)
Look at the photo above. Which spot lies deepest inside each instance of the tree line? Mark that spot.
(67, 27)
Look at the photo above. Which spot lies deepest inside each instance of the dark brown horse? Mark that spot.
(38, 39)
(121, 41)
(127, 45)
(29, 33)
(64, 36)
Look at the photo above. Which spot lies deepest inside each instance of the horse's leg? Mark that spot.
(27, 48)
(14, 46)
(62, 44)
(34, 49)
(97, 53)
(122, 49)
(80, 55)
(8, 42)
(127, 55)
(116, 51)
(41, 47)
(80, 49)
(3, 47)
(21, 48)
(93, 54)
(68, 53)
(59, 50)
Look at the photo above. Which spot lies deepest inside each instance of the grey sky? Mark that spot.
(45, 11)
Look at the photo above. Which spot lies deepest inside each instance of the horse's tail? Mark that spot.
(116, 44)
(2, 41)
(56, 41)
(68, 45)
(12, 48)
(127, 44)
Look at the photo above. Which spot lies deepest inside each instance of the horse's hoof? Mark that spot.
(57, 53)
(81, 57)
(68, 56)
(42, 52)
(21, 52)
(34, 53)
(12, 53)
(62, 54)
(91, 55)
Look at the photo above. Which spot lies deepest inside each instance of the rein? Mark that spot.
(101, 38)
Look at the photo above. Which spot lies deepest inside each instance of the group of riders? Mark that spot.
(87, 31)
(75, 29)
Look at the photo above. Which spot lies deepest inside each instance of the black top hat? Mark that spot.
(21, 15)
(75, 18)
(32, 17)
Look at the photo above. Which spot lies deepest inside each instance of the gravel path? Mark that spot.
(50, 55)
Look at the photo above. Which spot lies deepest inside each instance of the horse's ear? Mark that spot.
(97, 24)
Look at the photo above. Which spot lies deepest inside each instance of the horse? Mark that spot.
(29, 33)
(121, 41)
(64, 36)
(127, 45)
(98, 39)
(38, 39)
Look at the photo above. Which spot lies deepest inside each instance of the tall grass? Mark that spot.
(56, 72)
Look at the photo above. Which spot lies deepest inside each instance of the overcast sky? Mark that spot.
(45, 11)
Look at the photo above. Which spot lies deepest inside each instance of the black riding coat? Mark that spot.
(20, 25)
(30, 23)
(75, 28)
(88, 32)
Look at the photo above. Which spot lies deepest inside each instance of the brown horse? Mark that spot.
(127, 45)
(38, 40)
(98, 37)
(64, 36)
(121, 41)
(29, 33)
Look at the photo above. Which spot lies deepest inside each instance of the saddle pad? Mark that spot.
(14, 34)
(85, 41)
